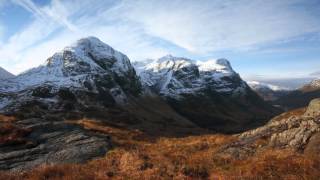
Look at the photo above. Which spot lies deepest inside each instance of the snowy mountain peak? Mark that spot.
(81, 65)
(172, 76)
(85, 56)
(97, 54)
(167, 57)
(219, 65)
(172, 59)
(168, 62)
(223, 62)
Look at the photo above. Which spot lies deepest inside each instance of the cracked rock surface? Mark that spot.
(300, 132)
(52, 143)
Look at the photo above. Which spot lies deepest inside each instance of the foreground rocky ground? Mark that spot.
(285, 148)
(40, 142)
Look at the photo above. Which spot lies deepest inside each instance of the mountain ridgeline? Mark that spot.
(169, 96)
(91, 75)
(267, 91)
(208, 93)
(300, 97)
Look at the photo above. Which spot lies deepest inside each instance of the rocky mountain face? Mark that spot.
(298, 129)
(268, 92)
(88, 66)
(72, 82)
(91, 80)
(88, 79)
(300, 97)
(209, 93)
(4, 74)
(88, 98)
(174, 76)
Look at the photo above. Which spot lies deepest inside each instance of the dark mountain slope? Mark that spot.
(301, 97)
(211, 94)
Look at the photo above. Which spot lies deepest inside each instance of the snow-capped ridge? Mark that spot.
(71, 66)
(170, 57)
(168, 62)
(97, 50)
(172, 75)
(219, 65)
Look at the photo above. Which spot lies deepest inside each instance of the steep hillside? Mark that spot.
(88, 79)
(209, 93)
(285, 148)
(68, 109)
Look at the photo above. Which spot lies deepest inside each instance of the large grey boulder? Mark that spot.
(313, 108)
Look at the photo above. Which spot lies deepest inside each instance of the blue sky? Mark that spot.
(262, 39)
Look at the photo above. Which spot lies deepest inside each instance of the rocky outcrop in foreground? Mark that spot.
(298, 130)
(44, 142)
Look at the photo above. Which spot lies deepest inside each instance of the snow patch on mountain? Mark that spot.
(69, 66)
(173, 76)
(315, 83)
(256, 85)
(88, 65)
(218, 65)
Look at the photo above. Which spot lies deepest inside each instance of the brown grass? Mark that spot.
(11, 134)
(139, 156)
(295, 112)
(4, 118)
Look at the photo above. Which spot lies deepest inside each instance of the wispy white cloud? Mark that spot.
(40, 39)
(137, 27)
(55, 12)
(215, 25)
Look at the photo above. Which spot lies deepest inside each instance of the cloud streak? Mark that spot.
(217, 25)
(151, 28)
(55, 13)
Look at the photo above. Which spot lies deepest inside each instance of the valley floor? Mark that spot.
(136, 155)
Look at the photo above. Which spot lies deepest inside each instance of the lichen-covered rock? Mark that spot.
(313, 108)
(299, 132)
